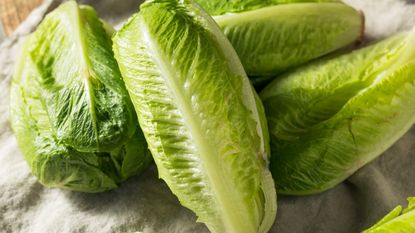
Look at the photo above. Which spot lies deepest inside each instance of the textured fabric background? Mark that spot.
(145, 203)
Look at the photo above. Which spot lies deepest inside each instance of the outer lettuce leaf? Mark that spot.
(397, 221)
(220, 7)
(199, 114)
(332, 117)
(71, 113)
(274, 38)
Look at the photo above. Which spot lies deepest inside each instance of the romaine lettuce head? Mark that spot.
(271, 37)
(72, 116)
(333, 116)
(397, 221)
(203, 122)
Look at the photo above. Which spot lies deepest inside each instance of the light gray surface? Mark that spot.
(145, 203)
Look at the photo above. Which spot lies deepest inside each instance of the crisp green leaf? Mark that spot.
(272, 39)
(330, 118)
(203, 122)
(397, 221)
(411, 205)
(71, 113)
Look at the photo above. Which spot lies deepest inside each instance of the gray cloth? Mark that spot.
(145, 203)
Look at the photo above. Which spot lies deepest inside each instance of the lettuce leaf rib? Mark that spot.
(199, 115)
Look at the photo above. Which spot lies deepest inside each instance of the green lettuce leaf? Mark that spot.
(220, 7)
(333, 116)
(271, 37)
(72, 116)
(397, 221)
(203, 122)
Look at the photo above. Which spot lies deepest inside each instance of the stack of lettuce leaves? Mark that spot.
(85, 108)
